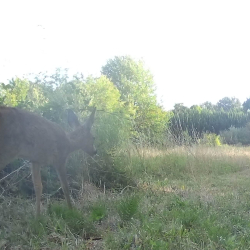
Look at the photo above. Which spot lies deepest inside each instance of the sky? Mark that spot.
(197, 51)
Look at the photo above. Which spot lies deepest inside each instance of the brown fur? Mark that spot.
(26, 135)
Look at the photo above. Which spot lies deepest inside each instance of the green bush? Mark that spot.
(237, 135)
(211, 139)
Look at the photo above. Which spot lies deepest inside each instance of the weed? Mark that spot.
(98, 212)
(74, 219)
(128, 207)
(186, 198)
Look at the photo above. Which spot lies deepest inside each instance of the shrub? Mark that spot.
(236, 135)
(211, 139)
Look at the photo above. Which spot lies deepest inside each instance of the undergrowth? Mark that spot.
(183, 198)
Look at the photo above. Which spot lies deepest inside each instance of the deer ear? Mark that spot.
(72, 119)
(90, 120)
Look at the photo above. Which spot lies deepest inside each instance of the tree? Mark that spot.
(229, 104)
(2, 86)
(196, 122)
(179, 107)
(246, 105)
(208, 106)
(134, 82)
(23, 93)
(137, 90)
(103, 94)
(196, 107)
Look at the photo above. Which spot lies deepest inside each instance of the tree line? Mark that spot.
(126, 101)
(209, 118)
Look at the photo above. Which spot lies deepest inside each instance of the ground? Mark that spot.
(184, 198)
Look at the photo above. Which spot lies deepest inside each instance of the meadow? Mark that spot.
(195, 197)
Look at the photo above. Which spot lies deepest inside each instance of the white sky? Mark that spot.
(197, 50)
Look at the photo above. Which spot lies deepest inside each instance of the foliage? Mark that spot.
(198, 121)
(234, 135)
(73, 218)
(246, 105)
(211, 139)
(187, 198)
(51, 96)
(207, 118)
(208, 105)
(2, 92)
(137, 90)
(23, 93)
(104, 95)
(98, 212)
(179, 107)
(134, 82)
(128, 207)
(229, 104)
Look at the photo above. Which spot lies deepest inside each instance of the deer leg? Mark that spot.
(61, 171)
(36, 177)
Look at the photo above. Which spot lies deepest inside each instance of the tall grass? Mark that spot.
(181, 198)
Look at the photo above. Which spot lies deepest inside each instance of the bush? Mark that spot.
(211, 139)
(236, 135)
(182, 138)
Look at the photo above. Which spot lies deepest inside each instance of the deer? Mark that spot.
(27, 135)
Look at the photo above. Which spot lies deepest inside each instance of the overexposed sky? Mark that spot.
(197, 50)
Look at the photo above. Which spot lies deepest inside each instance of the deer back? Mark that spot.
(26, 135)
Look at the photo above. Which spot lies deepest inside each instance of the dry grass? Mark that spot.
(199, 151)
(190, 198)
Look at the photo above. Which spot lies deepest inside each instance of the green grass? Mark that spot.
(98, 211)
(186, 198)
(128, 207)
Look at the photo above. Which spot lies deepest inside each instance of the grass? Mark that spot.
(186, 198)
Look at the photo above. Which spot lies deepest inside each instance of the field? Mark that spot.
(184, 198)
